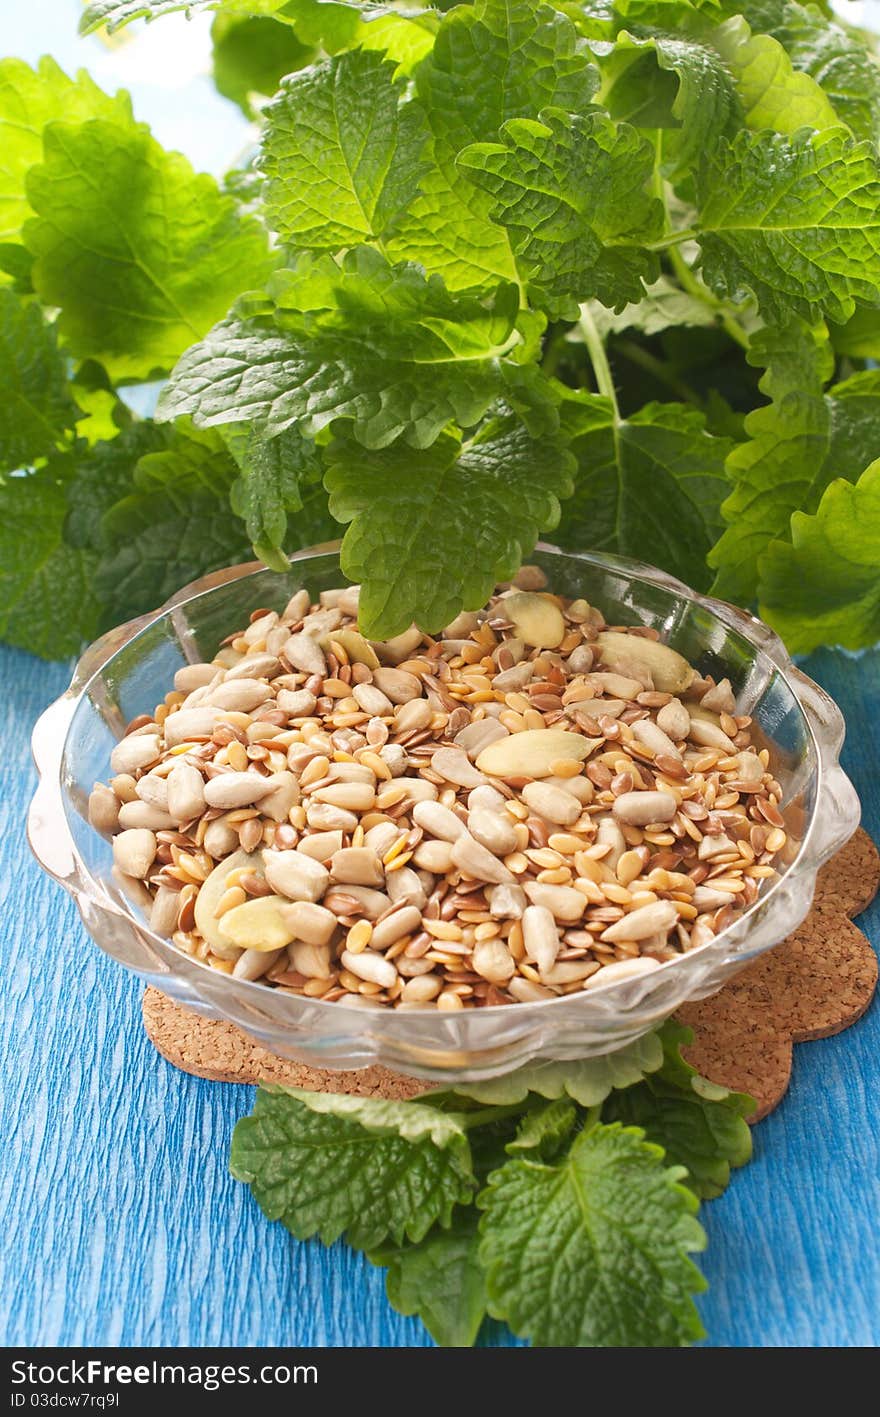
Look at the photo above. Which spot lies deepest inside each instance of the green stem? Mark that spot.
(689, 282)
(598, 358)
(655, 367)
(484, 1115)
(673, 238)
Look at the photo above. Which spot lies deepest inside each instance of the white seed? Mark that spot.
(622, 969)
(494, 830)
(439, 821)
(253, 666)
(434, 856)
(103, 808)
(709, 735)
(493, 960)
(352, 772)
(211, 893)
(299, 703)
(358, 864)
(193, 676)
(311, 960)
(552, 803)
(253, 964)
(321, 846)
(404, 921)
(476, 736)
(511, 680)
(186, 792)
(579, 787)
(239, 695)
(750, 769)
(536, 619)
(296, 875)
(276, 804)
(371, 699)
(220, 839)
(421, 989)
(531, 754)
(670, 671)
(369, 966)
(655, 919)
(163, 916)
(382, 837)
(310, 922)
(134, 852)
(237, 789)
(581, 660)
(371, 904)
(563, 902)
(651, 734)
(418, 790)
(506, 902)
(455, 766)
(526, 991)
(397, 685)
(674, 719)
(462, 626)
(618, 686)
(258, 629)
(608, 833)
(540, 936)
(708, 898)
(412, 716)
(352, 796)
(359, 650)
(405, 885)
(144, 814)
(637, 809)
(135, 752)
(712, 846)
(258, 924)
(304, 654)
(297, 606)
(394, 757)
(188, 724)
(323, 816)
(485, 799)
(396, 650)
(568, 970)
(720, 699)
(133, 889)
(478, 863)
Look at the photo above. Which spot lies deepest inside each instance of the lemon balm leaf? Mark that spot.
(143, 262)
(432, 533)
(593, 1250)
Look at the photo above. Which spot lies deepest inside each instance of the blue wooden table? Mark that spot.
(121, 1225)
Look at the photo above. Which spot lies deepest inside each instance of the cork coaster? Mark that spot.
(817, 982)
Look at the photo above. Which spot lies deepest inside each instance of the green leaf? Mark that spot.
(586, 1080)
(252, 56)
(571, 192)
(498, 60)
(795, 447)
(544, 1130)
(673, 83)
(173, 526)
(327, 1165)
(273, 474)
(663, 306)
(102, 476)
(773, 93)
(29, 99)
(795, 220)
(449, 231)
(406, 39)
(433, 533)
(699, 1125)
(142, 262)
(36, 410)
(839, 61)
(379, 344)
(101, 413)
(113, 14)
(440, 1281)
(649, 486)
(342, 154)
(859, 338)
(47, 600)
(593, 1250)
(824, 588)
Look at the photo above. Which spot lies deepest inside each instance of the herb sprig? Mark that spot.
(562, 1198)
(505, 268)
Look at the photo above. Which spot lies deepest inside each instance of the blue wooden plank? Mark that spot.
(122, 1226)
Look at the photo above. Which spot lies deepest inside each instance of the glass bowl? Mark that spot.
(129, 669)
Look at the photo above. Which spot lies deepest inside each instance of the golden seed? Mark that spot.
(359, 937)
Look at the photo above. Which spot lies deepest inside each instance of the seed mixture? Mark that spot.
(530, 804)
